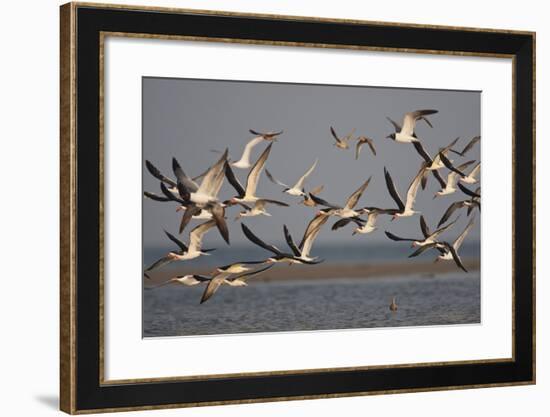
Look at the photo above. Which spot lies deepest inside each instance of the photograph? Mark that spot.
(286, 207)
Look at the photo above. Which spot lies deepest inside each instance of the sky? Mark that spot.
(188, 118)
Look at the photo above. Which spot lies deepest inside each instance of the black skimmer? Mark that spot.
(279, 256)
(405, 133)
(219, 278)
(452, 180)
(404, 209)
(348, 209)
(313, 228)
(448, 251)
(298, 188)
(259, 208)
(244, 162)
(248, 194)
(429, 237)
(194, 250)
(471, 203)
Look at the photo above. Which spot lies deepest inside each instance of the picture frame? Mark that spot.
(84, 29)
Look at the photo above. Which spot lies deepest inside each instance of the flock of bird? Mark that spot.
(197, 197)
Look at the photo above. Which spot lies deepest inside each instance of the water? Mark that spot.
(452, 298)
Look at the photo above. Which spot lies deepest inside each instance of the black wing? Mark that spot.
(218, 213)
(158, 263)
(344, 222)
(438, 177)
(170, 195)
(424, 227)
(392, 190)
(467, 191)
(178, 242)
(191, 211)
(291, 243)
(397, 238)
(257, 241)
(322, 202)
(230, 175)
(396, 125)
(155, 172)
(422, 152)
(449, 165)
(155, 197)
(449, 212)
(276, 202)
(455, 256)
(182, 176)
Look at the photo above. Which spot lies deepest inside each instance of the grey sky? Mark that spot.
(187, 118)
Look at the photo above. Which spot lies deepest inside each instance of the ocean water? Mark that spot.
(299, 305)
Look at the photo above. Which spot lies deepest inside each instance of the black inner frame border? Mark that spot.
(91, 395)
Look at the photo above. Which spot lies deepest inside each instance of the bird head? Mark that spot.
(391, 136)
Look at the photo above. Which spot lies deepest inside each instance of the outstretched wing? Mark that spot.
(254, 174)
(449, 165)
(218, 213)
(469, 192)
(155, 197)
(320, 201)
(159, 263)
(274, 180)
(230, 175)
(422, 152)
(334, 135)
(155, 172)
(449, 212)
(178, 242)
(458, 242)
(300, 183)
(397, 238)
(393, 192)
(424, 227)
(455, 256)
(291, 243)
(354, 198)
(212, 287)
(396, 125)
(187, 216)
(413, 189)
(182, 177)
(195, 237)
(257, 241)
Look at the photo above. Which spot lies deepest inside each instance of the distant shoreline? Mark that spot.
(331, 271)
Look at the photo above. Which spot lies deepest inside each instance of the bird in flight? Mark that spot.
(405, 133)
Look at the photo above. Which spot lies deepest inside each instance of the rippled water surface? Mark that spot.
(313, 305)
